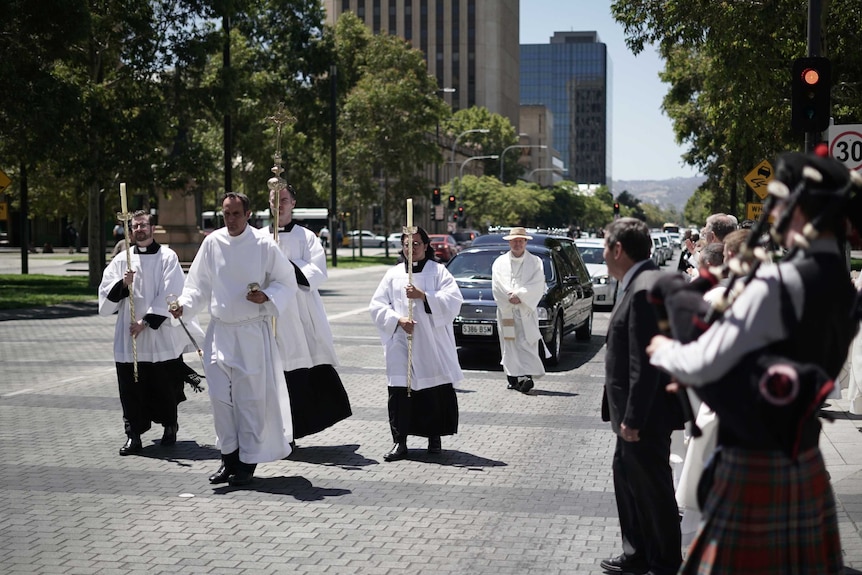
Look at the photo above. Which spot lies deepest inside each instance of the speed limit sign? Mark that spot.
(845, 145)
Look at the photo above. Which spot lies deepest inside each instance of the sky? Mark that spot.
(642, 135)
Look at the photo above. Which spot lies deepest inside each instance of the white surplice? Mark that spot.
(435, 357)
(525, 278)
(156, 276)
(303, 249)
(251, 409)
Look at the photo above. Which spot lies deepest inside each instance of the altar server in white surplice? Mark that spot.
(317, 396)
(430, 408)
(245, 280)
(518, 286)
(154, 273)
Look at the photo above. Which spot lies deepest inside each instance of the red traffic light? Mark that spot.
(810, 76)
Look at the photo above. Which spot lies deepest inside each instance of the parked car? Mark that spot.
(604, 286)
(658, 254)
(369, 239)
(566, 307)
(444, 245)
(394, 240)
(465, 237)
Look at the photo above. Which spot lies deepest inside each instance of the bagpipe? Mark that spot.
(769, 399)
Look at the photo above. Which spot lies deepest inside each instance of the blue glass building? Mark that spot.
(571, 76)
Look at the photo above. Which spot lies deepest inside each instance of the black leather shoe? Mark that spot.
(513, 382)
(526, 385)
(435, 445)
(220, 476)
(624, 564)
(170, 435)
(398, 451)
(133, 445)
(240, 478)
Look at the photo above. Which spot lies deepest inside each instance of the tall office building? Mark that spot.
(571, 76)
(470, 45)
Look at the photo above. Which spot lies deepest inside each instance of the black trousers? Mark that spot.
(153, 398)
(649, 516)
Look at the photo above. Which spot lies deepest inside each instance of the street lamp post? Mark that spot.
(503, 153)
(464, 163)
(455, 143)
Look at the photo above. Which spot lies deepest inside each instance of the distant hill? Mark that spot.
(674, 192)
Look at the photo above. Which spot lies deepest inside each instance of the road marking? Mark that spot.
(356, 311)
(19, 392)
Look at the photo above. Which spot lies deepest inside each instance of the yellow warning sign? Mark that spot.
(4, 181)
(753, 210)
(759, 177)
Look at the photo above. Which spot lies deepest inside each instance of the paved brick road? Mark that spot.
(524, 488)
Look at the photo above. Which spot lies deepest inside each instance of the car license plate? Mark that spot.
(477, 329)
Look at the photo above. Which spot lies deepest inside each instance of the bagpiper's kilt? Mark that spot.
(767, 514)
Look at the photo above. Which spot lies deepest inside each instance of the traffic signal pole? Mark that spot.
(814, 40)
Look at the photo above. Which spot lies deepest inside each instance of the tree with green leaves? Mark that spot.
(728, 69)
(387, 125)
(501, 134)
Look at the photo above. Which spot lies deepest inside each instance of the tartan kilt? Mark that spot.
(765, 515)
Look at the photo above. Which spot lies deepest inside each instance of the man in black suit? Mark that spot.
(641, 412)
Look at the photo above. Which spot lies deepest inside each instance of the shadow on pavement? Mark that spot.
(298, 487)
(454, 458)
(343, 456)
(59, 311)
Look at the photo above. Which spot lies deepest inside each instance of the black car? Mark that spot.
(566, 307)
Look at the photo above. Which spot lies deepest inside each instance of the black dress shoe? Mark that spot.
(513, 382)
(526, 385)
(243, 476)
(133, 445)
(222, 475)
(435, 445)
(624, 564)
(169, 437)
(398, 451)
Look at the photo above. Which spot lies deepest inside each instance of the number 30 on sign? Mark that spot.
(845, 145)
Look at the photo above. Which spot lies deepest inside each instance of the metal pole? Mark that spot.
(333, 215)
(814, 10)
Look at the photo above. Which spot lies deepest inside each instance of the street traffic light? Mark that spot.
(616, 208)
(461, 212)
(810, 101)
(452, 201)
(454, 217)
(435, 196)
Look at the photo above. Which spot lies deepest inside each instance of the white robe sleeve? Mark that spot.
(197, 291)
(382, 309)
(445, 299)
(112, 274)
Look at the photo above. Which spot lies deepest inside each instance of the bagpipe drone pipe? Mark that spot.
(768, 400)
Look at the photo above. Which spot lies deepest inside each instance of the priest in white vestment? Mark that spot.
(318, 399)
(429, 408)
(518, 284)
(245, 281)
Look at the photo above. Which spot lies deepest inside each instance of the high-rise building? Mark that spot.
(470, 45)
(571, 76)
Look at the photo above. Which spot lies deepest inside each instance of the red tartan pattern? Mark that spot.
(767, 515)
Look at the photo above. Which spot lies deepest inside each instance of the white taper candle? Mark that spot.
(124, 208)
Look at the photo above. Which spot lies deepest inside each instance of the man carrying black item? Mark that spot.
(154, 274)
(641, 412)
(765, 368)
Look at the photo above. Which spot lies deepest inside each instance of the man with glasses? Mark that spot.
(154, 273)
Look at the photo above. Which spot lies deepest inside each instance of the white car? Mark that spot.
(604, 286)
(369, 239)
(394, 240)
